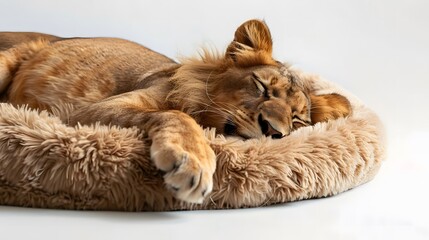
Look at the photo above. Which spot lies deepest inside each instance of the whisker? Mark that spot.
(226, 110)
(210, 99)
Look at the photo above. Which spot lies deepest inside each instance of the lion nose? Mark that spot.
(267, 129)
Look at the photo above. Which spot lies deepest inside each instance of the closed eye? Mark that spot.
(298, 122)
(260, 86)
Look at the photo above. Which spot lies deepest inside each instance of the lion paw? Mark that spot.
(189, 167)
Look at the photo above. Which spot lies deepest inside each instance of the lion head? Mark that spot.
(246, 93)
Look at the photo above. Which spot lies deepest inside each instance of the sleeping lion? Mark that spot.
(244, 93)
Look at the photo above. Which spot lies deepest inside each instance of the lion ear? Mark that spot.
(329, 107)
(252, 44)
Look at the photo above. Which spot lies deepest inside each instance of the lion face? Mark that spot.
(261, 100)
(255, 95)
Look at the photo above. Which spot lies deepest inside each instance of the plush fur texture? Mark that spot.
(44, 163)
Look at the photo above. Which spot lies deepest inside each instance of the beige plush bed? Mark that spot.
(45, 163)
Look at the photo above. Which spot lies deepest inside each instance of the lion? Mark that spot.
(244, 92)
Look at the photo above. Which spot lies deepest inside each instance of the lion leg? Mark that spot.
(179, 147)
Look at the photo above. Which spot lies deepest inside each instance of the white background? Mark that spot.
(376, 49)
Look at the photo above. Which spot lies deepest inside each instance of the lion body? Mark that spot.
(113, 81)
(83, 71)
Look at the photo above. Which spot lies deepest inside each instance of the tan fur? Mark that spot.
(10, 39)
(112, 81)
(329, 106)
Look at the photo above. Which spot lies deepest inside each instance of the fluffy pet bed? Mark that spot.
(44, 163)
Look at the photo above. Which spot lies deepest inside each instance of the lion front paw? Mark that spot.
(189, 164)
